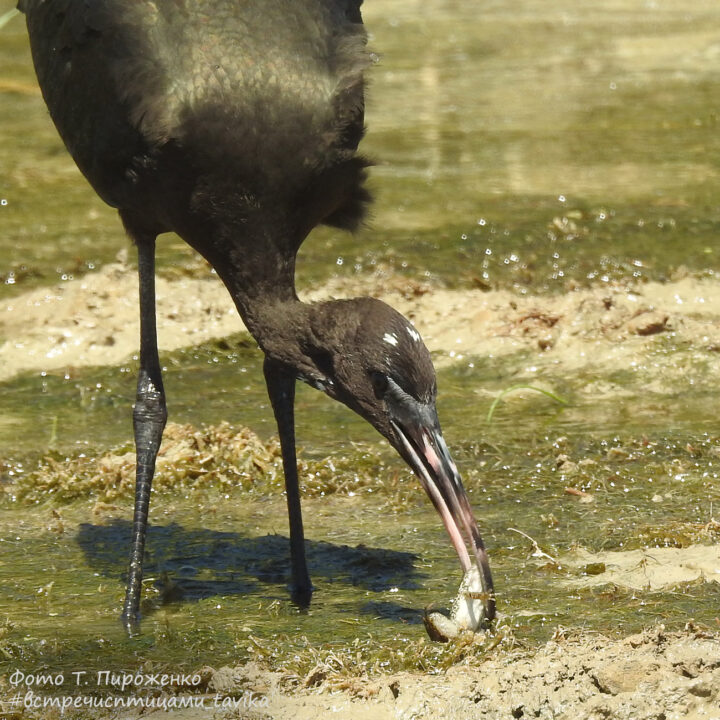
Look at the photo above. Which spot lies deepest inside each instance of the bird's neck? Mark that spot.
(276, 318)
(259, 273)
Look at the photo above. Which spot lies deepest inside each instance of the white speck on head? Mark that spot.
(390, 338)
(413, 333)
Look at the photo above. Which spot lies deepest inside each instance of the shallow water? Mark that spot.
(486, 128)
(525, 146)
(374, 567)
(377, 559)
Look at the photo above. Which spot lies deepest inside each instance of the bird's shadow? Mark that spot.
(202, 563)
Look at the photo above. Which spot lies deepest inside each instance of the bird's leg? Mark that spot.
(281, 388)
(149, 418)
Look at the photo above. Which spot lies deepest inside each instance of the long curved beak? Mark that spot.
(424, 449)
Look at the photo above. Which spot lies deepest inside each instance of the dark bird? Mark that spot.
(235, 124)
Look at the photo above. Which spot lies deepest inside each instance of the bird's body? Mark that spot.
(196, 118)
(235, 124)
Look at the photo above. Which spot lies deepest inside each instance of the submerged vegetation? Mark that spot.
(215, 588)
(217, 457)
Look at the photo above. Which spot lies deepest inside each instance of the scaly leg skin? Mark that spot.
(149, 417)
(281, 389)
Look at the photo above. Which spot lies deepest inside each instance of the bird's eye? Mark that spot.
(379, 383)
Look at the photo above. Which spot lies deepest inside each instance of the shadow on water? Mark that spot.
(203, 563)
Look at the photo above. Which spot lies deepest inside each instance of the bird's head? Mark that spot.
(369, 357)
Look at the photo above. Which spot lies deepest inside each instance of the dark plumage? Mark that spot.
(235, 125)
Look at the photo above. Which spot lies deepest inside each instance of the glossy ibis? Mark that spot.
(235, 125)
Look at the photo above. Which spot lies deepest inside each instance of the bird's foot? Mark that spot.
(301, 594)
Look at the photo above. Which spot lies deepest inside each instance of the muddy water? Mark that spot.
(488, 129)
(521, 147)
